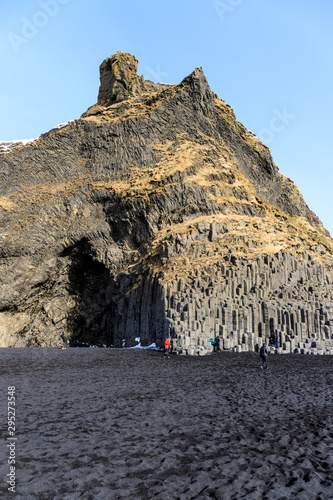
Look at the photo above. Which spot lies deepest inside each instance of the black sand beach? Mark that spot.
(128, 424)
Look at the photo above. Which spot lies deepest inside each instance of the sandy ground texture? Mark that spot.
(99, 424)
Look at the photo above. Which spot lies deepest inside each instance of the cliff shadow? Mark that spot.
(94, 290)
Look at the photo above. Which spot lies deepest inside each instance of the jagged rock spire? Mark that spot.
(119, 79)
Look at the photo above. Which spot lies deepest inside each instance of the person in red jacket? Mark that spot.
(167, 347)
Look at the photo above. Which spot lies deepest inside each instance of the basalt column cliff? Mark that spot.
(158, 213)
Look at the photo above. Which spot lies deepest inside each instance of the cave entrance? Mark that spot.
(94, 291)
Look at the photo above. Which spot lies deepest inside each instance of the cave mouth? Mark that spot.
(95, 292)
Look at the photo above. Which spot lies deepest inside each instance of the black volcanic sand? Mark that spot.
(127, 424)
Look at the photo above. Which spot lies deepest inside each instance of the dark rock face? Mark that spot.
(119, 79)
(145, 217)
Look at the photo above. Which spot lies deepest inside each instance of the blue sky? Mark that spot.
(271, 60)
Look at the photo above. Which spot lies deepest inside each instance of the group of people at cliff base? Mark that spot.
(263, 350)
(216, 348)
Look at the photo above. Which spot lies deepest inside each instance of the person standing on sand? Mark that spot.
(65, 340)
(166, 348)
(263, 356)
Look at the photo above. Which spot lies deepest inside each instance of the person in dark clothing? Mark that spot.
(217, 344)
(276, 340)
(65, 340)
(264, 355)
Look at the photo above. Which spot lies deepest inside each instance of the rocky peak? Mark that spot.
(119, 79)
(197, 80)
